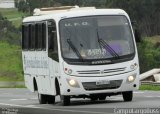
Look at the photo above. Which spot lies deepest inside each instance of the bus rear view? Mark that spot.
(97, 55)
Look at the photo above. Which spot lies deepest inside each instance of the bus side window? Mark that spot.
(51, 33)
(39, 34)
(25, 37)
(44, 36)
(52, 41)
(36, 36)
(33, 37)
(29, 38)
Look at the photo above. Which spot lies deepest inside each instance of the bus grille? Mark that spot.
(105, 71)
(90, 86)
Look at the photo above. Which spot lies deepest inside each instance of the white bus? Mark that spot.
(79, 53)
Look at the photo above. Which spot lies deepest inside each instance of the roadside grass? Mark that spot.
(13, 15)
(150, 87)
(15, 86)
(154, 39)
(10, 63)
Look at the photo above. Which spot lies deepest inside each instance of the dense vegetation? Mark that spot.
(13, 16)
(145, 12)
(8, 32)
(149, 53)
(10, 51)
(10, 62)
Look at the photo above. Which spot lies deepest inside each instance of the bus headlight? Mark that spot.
(73, 83)
(131, 78)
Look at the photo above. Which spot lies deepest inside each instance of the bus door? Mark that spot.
(53, 53)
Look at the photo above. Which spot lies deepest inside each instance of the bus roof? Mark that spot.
(69, 11)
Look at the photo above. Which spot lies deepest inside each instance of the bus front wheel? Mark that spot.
(51, 99)
(127, 96)
(65, 100)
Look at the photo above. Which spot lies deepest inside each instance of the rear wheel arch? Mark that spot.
(57, 86)
(35, 84)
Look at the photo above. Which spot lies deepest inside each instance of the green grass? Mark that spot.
(16, 86)
(150, 87)
(13, 15)
(10, 62)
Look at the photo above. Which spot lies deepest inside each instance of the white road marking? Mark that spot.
(18, 99)
(34, 98)
(10, 104)
(30, 105)
(56, 109)
(138, 92)
(149, 96)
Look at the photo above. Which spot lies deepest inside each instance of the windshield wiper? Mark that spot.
(107, 46)
(74, 49)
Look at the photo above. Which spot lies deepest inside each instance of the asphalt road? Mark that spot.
(22, 101)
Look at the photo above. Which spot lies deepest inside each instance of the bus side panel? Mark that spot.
(29, 71)
(54, 73)
(43, 79)
(29, 82)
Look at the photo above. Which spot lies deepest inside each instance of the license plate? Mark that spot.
(102, 82)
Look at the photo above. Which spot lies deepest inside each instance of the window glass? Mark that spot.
(39, 36)
(32, 36)
(44, 36)
(36, 36)
(52, 41)
(96, 38)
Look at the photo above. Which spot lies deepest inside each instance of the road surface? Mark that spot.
(22, 101)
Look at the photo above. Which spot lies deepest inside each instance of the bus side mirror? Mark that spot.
(136, 32)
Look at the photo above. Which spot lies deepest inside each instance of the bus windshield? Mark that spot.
(96, 38)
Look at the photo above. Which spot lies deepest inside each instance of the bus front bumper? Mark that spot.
(98, 85)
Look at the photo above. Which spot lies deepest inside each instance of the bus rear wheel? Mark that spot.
(65, 100)
(102, 97)
(94, 98)
(127, 96)
(42, 98)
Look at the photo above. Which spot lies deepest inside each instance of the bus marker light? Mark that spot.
(65, 69)
(69, 71)
(134, 66)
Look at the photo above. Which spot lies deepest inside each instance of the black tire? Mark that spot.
(103, 97)
(50, 99)
(42, 98)
(94, 98)
(127, 96)
(65, 100)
